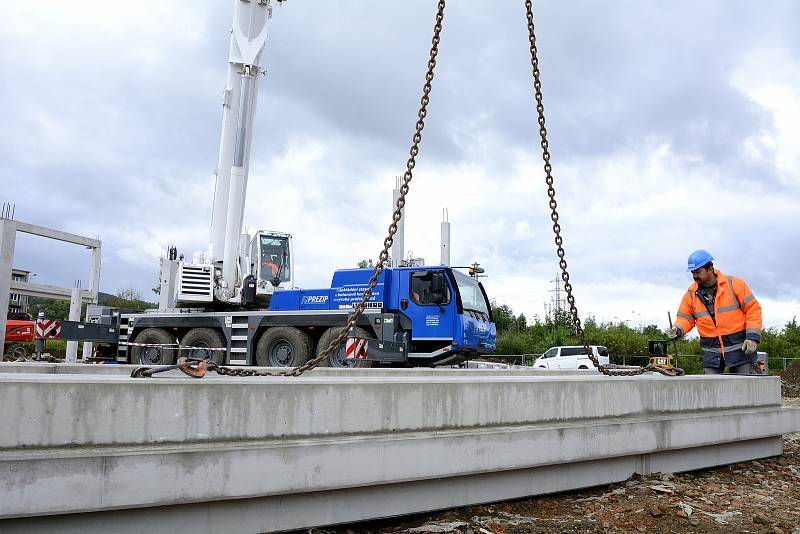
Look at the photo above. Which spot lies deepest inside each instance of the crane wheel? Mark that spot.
(202, 339)
(283, 346)
(336, 358)
(153, 355)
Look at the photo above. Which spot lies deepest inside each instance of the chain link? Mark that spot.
(383, 257)
(559, 241)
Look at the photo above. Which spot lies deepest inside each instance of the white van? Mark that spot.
(571, 358)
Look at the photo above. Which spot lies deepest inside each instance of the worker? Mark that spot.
(727, 316)
(269, 263)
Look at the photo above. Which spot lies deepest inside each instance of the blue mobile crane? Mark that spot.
(424, 316)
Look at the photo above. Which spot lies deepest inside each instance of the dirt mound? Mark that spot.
(790, 380)
(758, 496)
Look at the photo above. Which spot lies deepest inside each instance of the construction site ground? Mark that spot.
(759, 496)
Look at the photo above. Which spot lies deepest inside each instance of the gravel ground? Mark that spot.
(759, 496)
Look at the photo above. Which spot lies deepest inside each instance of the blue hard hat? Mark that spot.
(699, 258)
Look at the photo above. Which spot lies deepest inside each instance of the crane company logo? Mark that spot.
(315, 299)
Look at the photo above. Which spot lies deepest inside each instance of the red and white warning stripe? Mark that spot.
(355, 348)
(48, 329)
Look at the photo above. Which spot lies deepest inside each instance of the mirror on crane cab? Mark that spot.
(271, 261)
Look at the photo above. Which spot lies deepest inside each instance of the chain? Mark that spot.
(551, 193)
(383, 257)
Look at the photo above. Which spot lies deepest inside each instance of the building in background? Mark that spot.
(18, 303)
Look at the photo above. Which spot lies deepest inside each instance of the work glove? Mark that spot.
(749, 346)
(673, 333)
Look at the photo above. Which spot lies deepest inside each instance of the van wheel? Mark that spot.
(583, 367)
(202, 339)
(153, 355)
(336, 358)
(283, 346)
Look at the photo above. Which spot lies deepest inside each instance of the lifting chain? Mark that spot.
(195, 369)
(551, 193)
(383, 257)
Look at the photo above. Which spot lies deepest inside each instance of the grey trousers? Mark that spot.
(743, 369)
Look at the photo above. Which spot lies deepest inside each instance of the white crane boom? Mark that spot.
(233, 261)
(248, 37)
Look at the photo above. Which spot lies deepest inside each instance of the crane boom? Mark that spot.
(248, 37)
(262, 263)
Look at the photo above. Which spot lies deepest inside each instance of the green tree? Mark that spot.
(504, 318)
(53, 309)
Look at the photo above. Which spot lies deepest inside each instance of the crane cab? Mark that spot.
(271, 263)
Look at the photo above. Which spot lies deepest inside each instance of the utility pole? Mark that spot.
(398, 246)
(445, 237)
(556, 300)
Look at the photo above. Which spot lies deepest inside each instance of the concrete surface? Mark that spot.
(353, 446)
(80, 368)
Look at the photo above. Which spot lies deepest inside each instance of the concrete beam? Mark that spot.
(8, 240)
(324, 406)
(353, 446)
(58, 235)
(125, 369)
(49, 292)
(8, 237)
(287, 512)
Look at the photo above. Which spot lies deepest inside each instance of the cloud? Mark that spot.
(671, 126)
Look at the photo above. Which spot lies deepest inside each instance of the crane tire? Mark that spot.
(204, 338)
(336, 359)
(153, 355)
(283, 346)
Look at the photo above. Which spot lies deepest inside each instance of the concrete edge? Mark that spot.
(94, 483)
(326, 508)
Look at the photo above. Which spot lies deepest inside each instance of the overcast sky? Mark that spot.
(673, 125)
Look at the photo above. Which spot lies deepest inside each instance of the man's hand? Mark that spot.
(673, 333)
(749, 346)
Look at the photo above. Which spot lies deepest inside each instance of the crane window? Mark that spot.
(274, 258)
(429, 288)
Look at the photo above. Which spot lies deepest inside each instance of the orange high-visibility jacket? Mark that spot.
(737, 317)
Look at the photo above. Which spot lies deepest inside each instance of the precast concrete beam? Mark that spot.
(354, 446)
(373, 372)
(88, 410)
